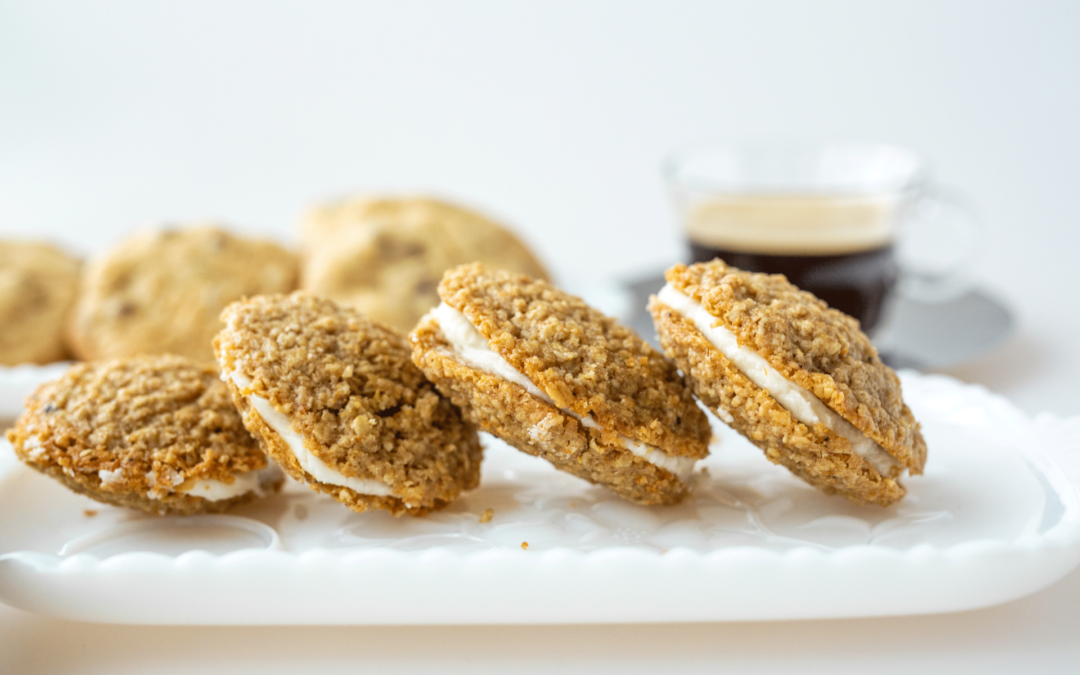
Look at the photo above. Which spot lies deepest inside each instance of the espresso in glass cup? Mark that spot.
(828, 217)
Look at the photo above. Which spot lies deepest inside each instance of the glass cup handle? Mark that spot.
(939, 241)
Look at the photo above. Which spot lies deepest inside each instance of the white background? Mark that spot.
(553, 116)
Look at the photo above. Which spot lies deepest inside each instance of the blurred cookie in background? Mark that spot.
(385, 255)
(162, 291)
(37, 287)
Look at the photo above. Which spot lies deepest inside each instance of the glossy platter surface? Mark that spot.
(995, 517)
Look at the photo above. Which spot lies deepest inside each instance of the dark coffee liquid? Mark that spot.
(858, 283)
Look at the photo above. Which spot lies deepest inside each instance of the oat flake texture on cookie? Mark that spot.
(555, 378)
(795, 377)
(155, 433)
(334, 398)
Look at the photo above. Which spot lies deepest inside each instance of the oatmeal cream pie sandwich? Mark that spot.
(557, 379)
(334, 398)
(796, 378)
(157, 433)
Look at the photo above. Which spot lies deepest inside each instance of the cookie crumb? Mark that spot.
(524, 546)
(487, 515)
(89, 513)
(301, 512)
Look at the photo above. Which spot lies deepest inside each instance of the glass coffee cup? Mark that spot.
(849, 222)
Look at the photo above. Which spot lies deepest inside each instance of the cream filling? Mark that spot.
(680, 466)
(471, 348)
(800, 402)
(315, 467)
(209, 489)
(252, 481)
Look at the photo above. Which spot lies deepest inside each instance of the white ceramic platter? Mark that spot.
(996, 517)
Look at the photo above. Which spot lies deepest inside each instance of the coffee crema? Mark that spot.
(838, 248)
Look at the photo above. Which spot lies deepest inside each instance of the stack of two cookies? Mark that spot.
(337, 400)
(329, 395)
(555, 378)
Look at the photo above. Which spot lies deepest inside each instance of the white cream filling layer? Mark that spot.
(318, 469)
(252, 481)
(800, 402)
(680, 466)
(471, 348)
(209, 489)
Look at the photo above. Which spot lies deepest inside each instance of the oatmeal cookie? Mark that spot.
(796, 378)
(557, 379)
(161, 291)
(385, 256)
(156, 433)
(37, 287)
(333, 397)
